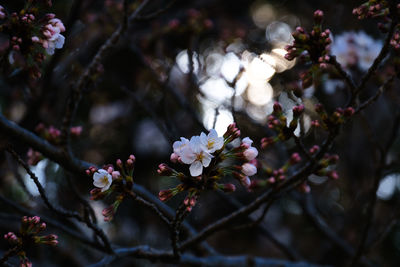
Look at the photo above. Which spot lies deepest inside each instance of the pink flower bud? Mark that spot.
(298, 110)
(129, 163)
(35, 39)
(119, 163)
(115, 174)
(229, 188)
(249, 169)
(164, 170)
(305, 188)
(295, 158)
(108, 213)
(318, 16)
(333, 175)
(277, 107)
(245, 181)
(76, 131)
(164, 195)
(174, 158)
(314, 149)
(173, 24)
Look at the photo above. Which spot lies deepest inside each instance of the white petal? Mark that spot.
(187, 155)
(219, 142)
(203, 139)
(195, 144)
(213, 134)
(196, 168)
(59, 42)
(106, 187)
(206, 160)
(98, 183)
(247, 140)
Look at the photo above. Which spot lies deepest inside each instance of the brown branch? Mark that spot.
(375, 97)
(384, 51)
(146, 252)
(56, 224)
(316, 220)
(9, 253)
(288, 251)
(156, 13)
(347, 78)
(181, 212)
(372, 195)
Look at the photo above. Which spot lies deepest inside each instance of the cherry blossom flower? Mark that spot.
(180, 145)
(211, 142)
(195, 155)
(52, 32)
(102, 179)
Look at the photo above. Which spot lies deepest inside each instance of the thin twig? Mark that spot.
(85, 78)
(58, 210)
(149, 205)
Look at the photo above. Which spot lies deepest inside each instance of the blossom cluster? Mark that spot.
(211, 158)
(108, 180)
(32, 35)
(28, 233)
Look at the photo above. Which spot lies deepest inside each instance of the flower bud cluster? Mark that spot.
(314, 44)
(338, 116)
(28, 234)
(53, 134)
(210, 158)
(31, 36)
(276, 175)
(277, 121)
(372, 9)
(313, 47)
(110, 179)
(325, 166)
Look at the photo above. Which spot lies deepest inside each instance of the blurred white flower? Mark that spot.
(355, 49)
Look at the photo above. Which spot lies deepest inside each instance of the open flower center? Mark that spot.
(104, 179)
(210, 144)
(200, 157)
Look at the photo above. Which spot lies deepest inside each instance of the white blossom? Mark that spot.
(180, 145)
(195, 155)
(102, 179)
(351, 48)
(52, 31)
(211, 142)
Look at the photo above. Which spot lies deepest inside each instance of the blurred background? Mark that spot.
(200, 65)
